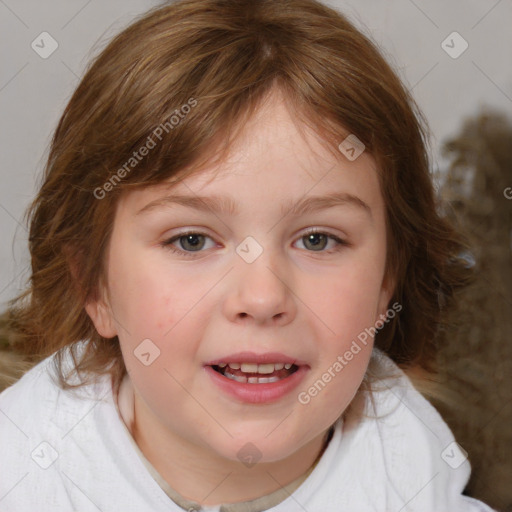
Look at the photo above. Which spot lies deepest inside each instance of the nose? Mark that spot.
(261, 292)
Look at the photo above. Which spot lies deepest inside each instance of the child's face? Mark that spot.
(300, 300)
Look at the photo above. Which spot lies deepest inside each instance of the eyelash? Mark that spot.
(167, 244)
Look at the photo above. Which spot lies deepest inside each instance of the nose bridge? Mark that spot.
(260, 288)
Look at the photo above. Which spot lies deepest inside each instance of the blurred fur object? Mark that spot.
(475, 360)
(12, 365)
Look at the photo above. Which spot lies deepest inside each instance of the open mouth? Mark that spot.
(253, 378)
(252, 373)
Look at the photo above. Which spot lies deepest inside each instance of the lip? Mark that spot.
(257, 393)
(252, 357)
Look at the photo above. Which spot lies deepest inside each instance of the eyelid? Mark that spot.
(324, 231)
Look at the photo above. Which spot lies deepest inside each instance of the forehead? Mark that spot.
(277, 161)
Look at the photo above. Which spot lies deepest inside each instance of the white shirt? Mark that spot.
(68, 451)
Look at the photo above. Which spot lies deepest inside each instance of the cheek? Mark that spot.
(152, 301)
(346, 300)
(147, 297)
(348, 307)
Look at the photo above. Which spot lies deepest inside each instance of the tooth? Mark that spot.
(249, 368)
(287, 366)
(237, 378)
(259, 380)
(265, 368)
(279, 366)
(262, 380)
(222, 365)
(234, 366)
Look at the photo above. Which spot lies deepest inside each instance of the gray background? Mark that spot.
(34, 91)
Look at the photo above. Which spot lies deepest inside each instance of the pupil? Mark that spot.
(314, 237)
(193, 239)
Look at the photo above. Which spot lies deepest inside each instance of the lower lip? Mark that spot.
(258, 393)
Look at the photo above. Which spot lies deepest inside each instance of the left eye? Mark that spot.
(318, 240)
(193, 242)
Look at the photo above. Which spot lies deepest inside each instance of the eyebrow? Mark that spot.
(226, 205)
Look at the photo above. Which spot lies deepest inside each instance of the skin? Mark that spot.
(306, 303)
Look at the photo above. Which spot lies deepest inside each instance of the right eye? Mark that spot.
(190, 241)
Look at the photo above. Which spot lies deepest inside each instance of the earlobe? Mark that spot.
(386, 293)
(100, 314)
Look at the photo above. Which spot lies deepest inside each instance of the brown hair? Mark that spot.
(221, 58)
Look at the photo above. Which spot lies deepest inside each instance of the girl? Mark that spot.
(235, 253)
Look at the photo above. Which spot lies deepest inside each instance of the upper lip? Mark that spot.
(252, 357)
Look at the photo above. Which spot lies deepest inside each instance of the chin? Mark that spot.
(258, 448)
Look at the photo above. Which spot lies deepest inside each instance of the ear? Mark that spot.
(386, 292)
(100, 313)
(99, 310)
